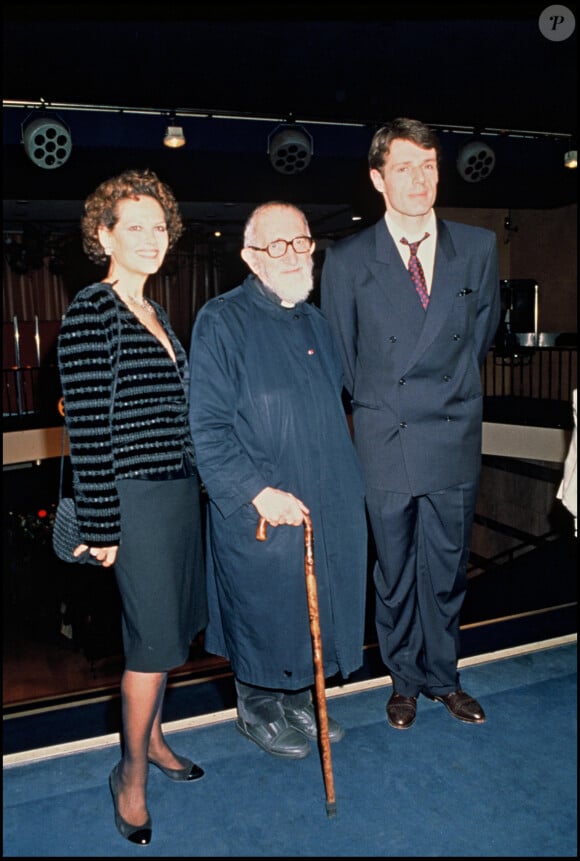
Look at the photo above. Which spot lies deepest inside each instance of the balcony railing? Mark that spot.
(530, 385)
(30, 397)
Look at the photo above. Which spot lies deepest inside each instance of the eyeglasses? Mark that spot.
(279, 247)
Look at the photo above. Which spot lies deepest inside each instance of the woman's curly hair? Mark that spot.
(101, 207)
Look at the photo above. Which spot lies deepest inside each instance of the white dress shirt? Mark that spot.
(426, 250)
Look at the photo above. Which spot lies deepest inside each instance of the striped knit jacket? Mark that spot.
(147, 432)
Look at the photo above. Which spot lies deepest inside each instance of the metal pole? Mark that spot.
(37, 339)
(17, 369)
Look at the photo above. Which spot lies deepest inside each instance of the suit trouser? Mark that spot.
(264, 705)
(422, 545)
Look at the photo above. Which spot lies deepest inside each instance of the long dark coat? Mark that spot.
(266, 410)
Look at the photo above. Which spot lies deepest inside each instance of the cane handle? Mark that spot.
(262, 528)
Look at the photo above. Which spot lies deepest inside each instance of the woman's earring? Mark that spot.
(108, 251)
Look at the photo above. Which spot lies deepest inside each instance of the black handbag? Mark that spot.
(66, 534)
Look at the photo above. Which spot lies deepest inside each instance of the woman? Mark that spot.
(124, 377)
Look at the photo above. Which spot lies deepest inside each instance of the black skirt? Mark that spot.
(160, 571)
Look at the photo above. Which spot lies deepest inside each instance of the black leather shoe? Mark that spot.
(401, 711)
(461, 706)
(190, 770)
(304, 720)
(277, 738)
(140, 834)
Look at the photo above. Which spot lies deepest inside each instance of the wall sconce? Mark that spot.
(290, 148)
(571, 159)
(174, 137)
(47, 141)
(475, 161)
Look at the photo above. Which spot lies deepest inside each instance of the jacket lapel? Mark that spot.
(443, 290)
(393, 279)
(397, 291)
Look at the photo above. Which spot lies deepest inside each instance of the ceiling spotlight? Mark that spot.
(47, 141)
(571, 158)
(475, 161)
(290, 148)
(174, 137)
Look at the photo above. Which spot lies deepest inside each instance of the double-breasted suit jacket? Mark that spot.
(414, 376)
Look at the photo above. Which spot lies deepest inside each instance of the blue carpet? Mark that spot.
(442, 789)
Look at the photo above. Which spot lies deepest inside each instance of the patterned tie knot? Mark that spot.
(414, 245)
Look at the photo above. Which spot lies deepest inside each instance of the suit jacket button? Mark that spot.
(403, 424)
(402, 381)
(392, 339)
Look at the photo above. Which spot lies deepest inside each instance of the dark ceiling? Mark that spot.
(487, 71)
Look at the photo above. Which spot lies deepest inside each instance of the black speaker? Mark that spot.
(519, 303)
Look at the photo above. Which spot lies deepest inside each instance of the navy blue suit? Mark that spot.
(415, 387)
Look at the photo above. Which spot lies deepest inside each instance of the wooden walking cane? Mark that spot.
(314, 617)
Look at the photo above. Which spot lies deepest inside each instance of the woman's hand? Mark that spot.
(105, 555)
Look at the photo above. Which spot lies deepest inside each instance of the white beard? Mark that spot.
(292, 289)
(296, 289)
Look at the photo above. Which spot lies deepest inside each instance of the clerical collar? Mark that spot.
(269, 294)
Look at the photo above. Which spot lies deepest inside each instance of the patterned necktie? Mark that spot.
(416, 271)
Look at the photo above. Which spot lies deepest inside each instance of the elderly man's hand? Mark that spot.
(279, 508)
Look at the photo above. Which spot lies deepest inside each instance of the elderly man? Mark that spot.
(272, 442)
